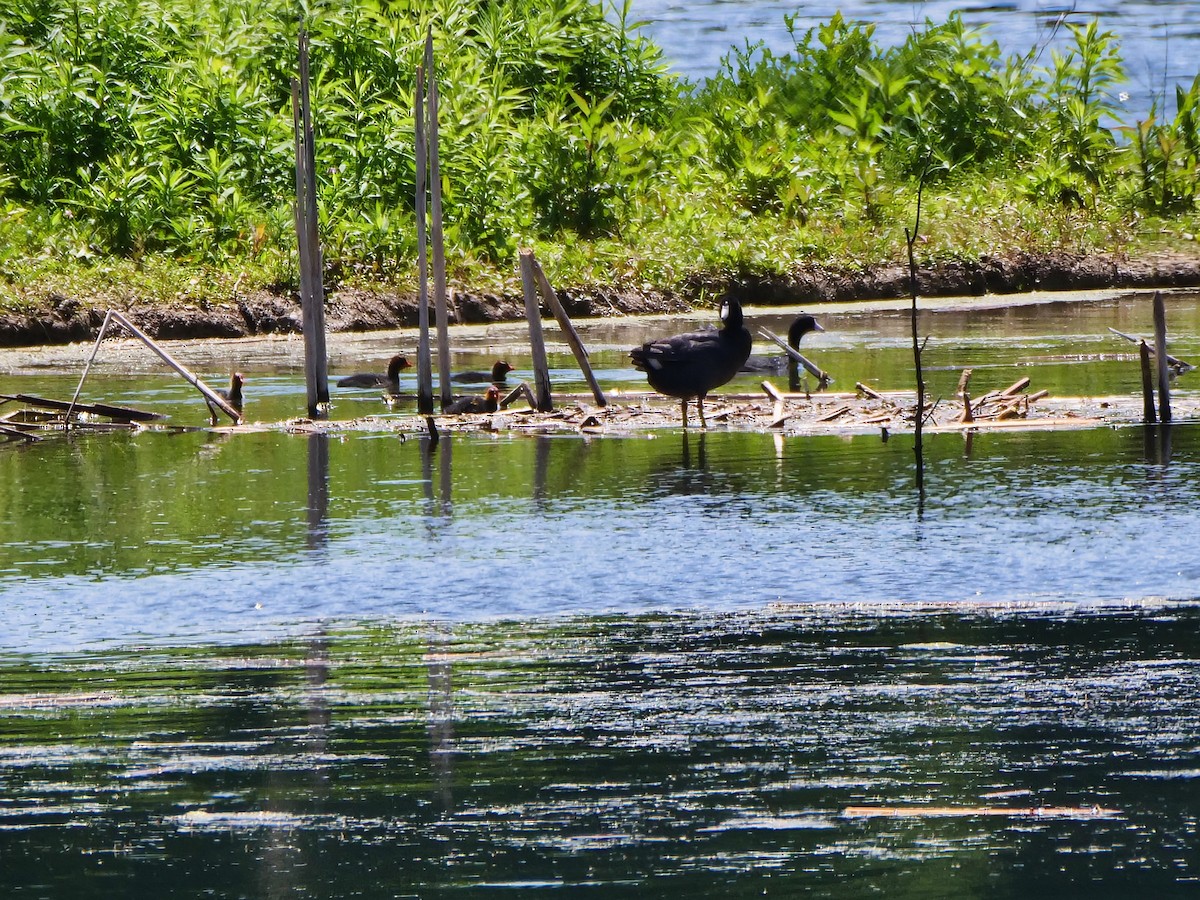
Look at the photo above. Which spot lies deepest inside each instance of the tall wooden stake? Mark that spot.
(435, 229)
(537, 342)
(1161, 358)
(1148, 415)
(568, 330)
(424, 362)
(312, 291)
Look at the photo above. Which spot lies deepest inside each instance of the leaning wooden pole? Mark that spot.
(537, 342)
(437, 242)
(187, 374)
(424, 361)
(1161, 358)
(568, 330)
(312, 292)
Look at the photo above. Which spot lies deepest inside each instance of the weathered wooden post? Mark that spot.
(537, 342)
(1163, 361)
(435, 229)
(1148, 415)
(424, 362)
(572, 336)
(312, 291)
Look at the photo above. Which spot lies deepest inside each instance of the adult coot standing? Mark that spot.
(690, 365)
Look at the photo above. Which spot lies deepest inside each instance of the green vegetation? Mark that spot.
(148, 143)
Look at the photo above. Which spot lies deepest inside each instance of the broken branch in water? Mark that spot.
(822, 376)
(1178, 364)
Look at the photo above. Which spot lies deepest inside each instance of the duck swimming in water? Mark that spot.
(690, 365)
(232, 395)
(497, 376)
(801, 326)
(486, 403)
(391, 380)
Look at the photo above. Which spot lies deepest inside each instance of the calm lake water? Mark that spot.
(1160, 39)
(267, 664)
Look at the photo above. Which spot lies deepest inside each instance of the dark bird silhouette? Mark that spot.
(801, 326)
(496, 376)
(690, 365)
(391, 380)
(485, 403)
(232, 395)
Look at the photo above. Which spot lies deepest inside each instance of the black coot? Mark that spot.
(496, 376)
(690, 365)
(801, 326)
(391, 380)
(485, 403)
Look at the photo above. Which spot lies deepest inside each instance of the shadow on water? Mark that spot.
(691, 755)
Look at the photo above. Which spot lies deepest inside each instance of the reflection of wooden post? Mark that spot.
(424, 362)
(537, 343)
(318, 490)
(312, 291)
(1148, 415)
(438, 244)
(568, 330)
(1160, 351)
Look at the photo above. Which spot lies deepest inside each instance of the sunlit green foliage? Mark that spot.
(144, 128)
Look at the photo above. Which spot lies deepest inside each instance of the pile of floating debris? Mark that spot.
(37, 414)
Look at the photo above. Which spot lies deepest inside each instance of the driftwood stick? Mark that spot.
(778, 414)
(772, 391)
(1174, 361)
(869, 391)
(1015, 388)
(836, 414)
(568, 330)
(537, 341)
(87, 368)
(521, 390)
(1160, 351)
(822, 376)
(18, 433)
(209, 394)
(1149, 416)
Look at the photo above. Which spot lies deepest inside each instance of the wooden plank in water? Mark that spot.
(123, 413)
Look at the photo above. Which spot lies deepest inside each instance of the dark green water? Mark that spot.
(265, 664)
(705, 755)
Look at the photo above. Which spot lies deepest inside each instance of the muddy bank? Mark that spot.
(64, 319)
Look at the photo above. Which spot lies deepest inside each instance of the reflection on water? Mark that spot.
(691, 755)
(156, 537)
(363, 664)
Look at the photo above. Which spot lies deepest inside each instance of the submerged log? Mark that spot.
(118, 413)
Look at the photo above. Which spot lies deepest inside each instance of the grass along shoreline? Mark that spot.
(221, 307)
